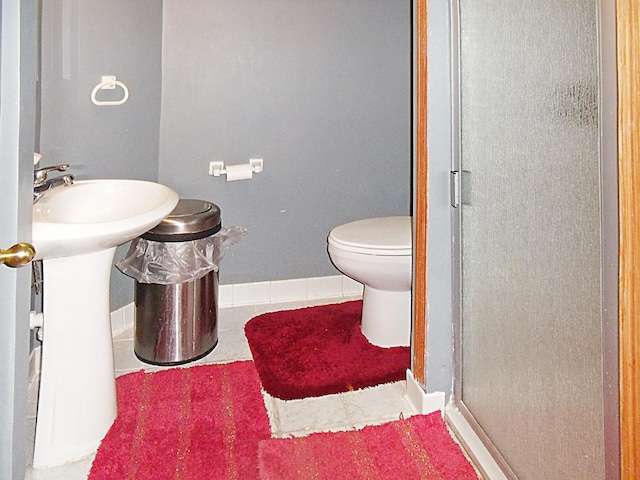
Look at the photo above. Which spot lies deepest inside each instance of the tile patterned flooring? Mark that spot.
(294, 417)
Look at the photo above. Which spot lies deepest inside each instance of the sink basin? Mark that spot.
(93, 215)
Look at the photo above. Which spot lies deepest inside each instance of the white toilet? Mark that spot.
(377, 253)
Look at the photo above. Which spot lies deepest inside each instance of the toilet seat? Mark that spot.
(388, 236)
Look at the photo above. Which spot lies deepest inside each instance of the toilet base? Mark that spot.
(386, 317)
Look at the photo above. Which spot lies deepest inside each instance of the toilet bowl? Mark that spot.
(377, 253)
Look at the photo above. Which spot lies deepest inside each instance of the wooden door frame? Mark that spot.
(628, 60)
(628, 75)
(419, 340)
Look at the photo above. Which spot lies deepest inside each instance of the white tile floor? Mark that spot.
(297, 417)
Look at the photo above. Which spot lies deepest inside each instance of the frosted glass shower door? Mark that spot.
(530, 233)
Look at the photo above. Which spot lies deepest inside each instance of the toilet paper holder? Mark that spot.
(240, 172)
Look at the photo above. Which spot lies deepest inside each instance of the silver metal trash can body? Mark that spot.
(178, 323)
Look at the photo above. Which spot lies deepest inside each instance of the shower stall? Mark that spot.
(535, 211)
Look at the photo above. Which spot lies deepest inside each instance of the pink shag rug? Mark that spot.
(416, 448)
(196, 423)
(320, 350)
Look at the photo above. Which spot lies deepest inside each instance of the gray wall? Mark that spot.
(319, 89)
(81, 41)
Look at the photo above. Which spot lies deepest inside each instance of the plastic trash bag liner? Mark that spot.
(169, 263)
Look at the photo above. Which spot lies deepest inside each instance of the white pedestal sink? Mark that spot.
(75, 232)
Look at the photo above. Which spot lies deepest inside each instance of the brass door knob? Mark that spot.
(18, 255)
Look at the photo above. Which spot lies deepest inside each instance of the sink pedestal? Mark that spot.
(77, 400)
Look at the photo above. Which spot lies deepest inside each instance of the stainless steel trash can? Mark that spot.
(178, 323)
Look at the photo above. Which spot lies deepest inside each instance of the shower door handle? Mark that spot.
(460, 188)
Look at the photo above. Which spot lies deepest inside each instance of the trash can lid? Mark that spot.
(190, 220)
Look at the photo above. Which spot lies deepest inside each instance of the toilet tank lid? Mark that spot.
(381, 233)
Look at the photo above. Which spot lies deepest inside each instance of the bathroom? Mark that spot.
(317, 162)
(321, 92)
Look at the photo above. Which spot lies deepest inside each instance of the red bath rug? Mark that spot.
(320, 350)
(188, 423)
(413, 449)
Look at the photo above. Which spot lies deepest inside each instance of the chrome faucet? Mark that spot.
(41, 183)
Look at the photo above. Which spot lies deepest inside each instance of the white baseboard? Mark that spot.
(278, 291)
(260, 293)
(472, 444)
(123, 319)
(421, 401)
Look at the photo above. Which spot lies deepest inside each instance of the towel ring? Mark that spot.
(109, 83)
